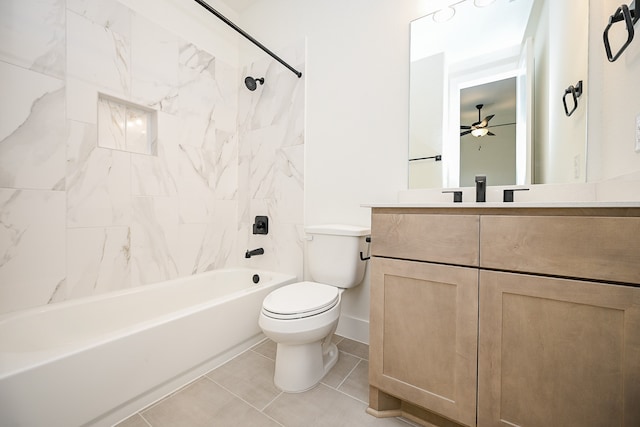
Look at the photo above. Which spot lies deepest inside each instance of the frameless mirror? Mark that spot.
(486, 93)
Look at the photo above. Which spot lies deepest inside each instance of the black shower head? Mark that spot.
(250, 82)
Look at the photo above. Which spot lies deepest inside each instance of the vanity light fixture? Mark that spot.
(445, 12)
(482, 3)
(444, 15)
(479, 132)
(448, 11)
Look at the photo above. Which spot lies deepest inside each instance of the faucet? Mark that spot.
(249, 253)
(481, 188)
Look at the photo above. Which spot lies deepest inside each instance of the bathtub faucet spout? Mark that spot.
(254, 252)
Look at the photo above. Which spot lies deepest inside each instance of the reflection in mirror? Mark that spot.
(470, 59)
(488, 132)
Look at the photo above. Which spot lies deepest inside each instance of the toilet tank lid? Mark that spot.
(338, 230)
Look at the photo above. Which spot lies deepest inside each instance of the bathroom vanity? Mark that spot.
(502, 316)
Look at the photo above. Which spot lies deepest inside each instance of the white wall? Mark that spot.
(561, 141)
(568, 138)
(614, 100)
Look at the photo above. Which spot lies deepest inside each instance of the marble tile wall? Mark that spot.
(271, 162)
(78, 219)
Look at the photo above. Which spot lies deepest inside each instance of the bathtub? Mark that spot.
(96, 360)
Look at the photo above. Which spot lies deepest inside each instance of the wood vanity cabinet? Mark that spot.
(506, 316)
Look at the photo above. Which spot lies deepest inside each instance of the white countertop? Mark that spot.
(505, 205)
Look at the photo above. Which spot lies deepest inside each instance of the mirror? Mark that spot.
(515, 58)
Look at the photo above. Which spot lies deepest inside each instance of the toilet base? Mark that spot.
(301, 367)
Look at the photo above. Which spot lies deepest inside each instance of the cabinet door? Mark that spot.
(557, 352)
(423, 341)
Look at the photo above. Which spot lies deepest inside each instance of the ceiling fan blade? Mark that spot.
(465, 127)
(503, 124)
(475, 124)
(491, 133)
(485, 122)
(466, 132)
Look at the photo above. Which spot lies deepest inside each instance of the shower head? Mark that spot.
(250, 82)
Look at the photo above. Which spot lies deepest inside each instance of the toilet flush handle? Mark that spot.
(362, 257)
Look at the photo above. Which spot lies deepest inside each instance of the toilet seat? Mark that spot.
(300, 300)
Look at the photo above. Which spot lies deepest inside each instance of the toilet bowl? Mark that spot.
(302, 317)
(305, 352)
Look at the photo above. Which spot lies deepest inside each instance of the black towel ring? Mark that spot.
(628, 14)
(576, 92)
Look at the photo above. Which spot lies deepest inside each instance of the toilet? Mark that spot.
(302, 317)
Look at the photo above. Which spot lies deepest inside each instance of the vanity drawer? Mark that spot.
(601, 248)
(449, 239)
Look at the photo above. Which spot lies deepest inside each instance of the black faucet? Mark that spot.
(258, 251)
(481, 188)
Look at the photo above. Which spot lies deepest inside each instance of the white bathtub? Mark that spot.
(96, 360)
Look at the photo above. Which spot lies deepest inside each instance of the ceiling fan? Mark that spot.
(479, 128)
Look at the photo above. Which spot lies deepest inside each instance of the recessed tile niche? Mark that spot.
(125, 126)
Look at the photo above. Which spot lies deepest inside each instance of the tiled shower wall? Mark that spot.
(77, 219)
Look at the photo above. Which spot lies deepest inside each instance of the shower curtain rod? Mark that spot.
(247, 36)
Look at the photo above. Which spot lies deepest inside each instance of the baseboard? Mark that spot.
(353, 328)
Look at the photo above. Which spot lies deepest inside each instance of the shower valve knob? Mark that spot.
(261, 225)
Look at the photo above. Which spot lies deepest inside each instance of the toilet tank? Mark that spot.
(333, 254)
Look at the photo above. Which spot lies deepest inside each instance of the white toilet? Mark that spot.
(302, 317)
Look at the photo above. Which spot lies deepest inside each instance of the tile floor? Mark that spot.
(241, 393)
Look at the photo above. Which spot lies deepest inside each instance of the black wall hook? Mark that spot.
(628, 14)
(576, 92)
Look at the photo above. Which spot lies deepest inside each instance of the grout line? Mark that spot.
(273, 419)
(347, 376)
(144, 419)
(254, 407)
(169, 395)
(262, 355)
(359, 357)
(407, 421)
(272, 400)
(235, 395)
(258, 344)
(346, 394)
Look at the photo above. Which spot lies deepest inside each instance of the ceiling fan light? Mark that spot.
(479, 132)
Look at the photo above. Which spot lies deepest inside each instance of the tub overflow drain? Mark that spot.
(256, 278)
